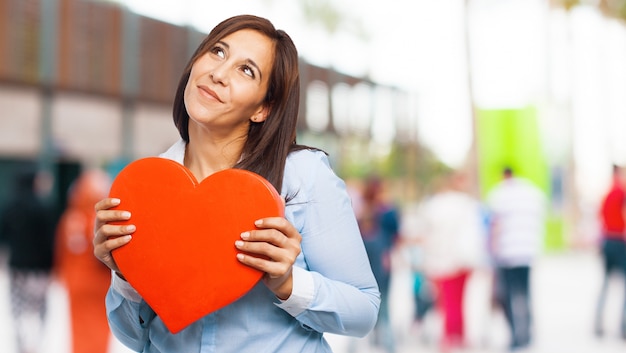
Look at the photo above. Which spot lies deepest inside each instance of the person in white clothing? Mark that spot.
(450, 231)
(517, 209)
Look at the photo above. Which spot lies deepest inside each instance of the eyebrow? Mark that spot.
(248, 61)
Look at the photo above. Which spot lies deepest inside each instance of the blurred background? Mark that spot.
(404, 89)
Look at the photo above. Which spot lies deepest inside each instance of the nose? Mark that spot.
(219, 74)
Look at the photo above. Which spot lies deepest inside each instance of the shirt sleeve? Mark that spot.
(124, 288)
(302, 293)
(129, 316)
(339, 294)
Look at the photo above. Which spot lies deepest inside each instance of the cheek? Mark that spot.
(187, 99)
(187, 91)
(251, 99)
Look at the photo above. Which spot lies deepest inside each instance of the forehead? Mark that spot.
(251, 45)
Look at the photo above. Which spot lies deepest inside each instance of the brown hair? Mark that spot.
(269, 142)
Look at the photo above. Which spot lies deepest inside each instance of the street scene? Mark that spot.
(441, 176)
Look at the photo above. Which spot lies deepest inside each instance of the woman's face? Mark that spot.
(227, 84)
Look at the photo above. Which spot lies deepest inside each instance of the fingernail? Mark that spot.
(130, 228)
(238, 243)
(240, 257)
(245, 235)
(258, 222)
(115, 201)
(126, 214)
(128, 237)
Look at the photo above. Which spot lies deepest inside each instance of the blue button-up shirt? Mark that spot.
(333, 287)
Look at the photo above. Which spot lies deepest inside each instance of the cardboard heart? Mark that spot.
(182, 258)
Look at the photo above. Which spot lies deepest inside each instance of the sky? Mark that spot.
(521, 53)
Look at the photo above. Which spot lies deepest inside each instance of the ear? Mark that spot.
(261, 114)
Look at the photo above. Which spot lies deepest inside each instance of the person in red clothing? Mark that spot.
(84, 277)
(613, 246)
(450, 230)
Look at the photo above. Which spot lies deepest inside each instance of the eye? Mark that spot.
(248, 71)
(219, 51)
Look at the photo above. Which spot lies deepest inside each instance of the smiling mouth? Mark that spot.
(209, 92)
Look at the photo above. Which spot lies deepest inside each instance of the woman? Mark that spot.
(236, 107)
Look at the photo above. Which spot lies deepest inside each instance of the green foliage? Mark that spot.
(322, 12)
(410, 165)
(566, 4)
(332, 19)
(614, 8)
(610, 8)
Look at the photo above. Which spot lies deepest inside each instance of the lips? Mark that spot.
(207, 92)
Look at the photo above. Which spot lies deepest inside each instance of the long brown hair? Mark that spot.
(269, 142)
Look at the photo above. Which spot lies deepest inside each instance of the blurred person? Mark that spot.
(27, 224)
(236, 106)
(517, 212)
(612, 244)
(451, 232)
(378, 220)
(354, 188)
(423, 292)
(84, 277)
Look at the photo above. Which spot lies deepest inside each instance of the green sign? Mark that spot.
(511, 137)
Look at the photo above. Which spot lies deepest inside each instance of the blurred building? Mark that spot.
(86, 82)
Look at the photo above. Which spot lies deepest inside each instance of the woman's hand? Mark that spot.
(272, 249)
(109, 237)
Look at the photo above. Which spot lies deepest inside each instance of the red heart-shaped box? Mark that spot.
(182, 258)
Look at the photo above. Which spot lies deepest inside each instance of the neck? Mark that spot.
(207, 157)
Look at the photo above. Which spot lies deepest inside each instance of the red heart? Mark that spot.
(182, 258)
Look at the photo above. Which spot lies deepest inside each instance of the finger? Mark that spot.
(281, 224)
(109, 231)
(273, 269)
(272, 222)
(103, 251)
(106, 216)
(113, 243)
(272, 236)
(106, 203)
(269, 244)
(260, 249)
(110, 235)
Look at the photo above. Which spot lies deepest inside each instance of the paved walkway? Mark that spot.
(565, 289)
